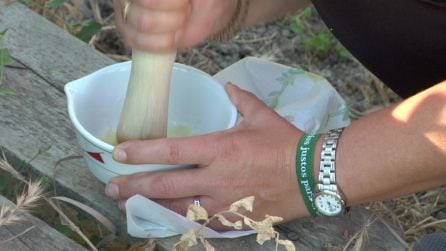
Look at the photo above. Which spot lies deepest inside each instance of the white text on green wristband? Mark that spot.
(304, 170)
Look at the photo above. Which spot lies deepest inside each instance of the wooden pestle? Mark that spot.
(145, 111)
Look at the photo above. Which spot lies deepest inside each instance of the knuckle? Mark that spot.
(163, 187)
(166, 43)
(179, 21)
(226, 182)
(144, 23)
(135, 41)
(173, 152)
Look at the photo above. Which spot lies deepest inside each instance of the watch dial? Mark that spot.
(328, 204)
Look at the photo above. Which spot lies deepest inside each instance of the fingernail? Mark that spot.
(119, 155)
(232, 85)
(112, 190)
(121, 205)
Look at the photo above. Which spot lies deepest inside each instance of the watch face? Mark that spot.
(328, 204)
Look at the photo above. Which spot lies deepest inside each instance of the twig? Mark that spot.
(71, 224)
(17, 236)
(96, 11)
(430, 224)
(360, 237)
(27, 200)
(394, 233)
(99, 217)
(414, 228)
(118, 57)
(108, 28)
(379, 86)
(56, 166)
(255, 40)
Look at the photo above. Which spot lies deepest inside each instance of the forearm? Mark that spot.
(268, 10)
(396, 151)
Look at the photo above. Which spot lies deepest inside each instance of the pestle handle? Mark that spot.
(145, 111)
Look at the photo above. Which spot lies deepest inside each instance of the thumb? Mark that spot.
(248, 104)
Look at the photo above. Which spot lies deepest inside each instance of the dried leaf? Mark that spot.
(91, 211)
(265, 233)
(265, 229)
(246, 203)
(269, 219)
(289, 246)
(196, 213)
(188, 239)
(206, 244)
(250, 223)
(236, 225)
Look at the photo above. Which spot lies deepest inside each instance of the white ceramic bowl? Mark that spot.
(197, 101)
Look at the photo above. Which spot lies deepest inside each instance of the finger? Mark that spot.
(172, 184)
(248, 104)
(155, 21)
(121, 205)
(198, 150)
(162, 42)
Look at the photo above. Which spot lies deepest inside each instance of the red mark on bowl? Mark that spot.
(96, 156)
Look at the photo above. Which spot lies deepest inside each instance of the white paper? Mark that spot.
(148, 219)
(307, 100)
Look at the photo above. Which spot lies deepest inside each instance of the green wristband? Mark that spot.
(304, 170)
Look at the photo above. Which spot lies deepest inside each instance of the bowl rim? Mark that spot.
(127, 67)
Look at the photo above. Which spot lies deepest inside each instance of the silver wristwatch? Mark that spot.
(328, 198)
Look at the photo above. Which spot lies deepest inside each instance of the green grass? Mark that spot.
(5, 59)
(315, 37)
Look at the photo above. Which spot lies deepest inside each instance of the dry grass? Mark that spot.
(417, 214)
(28, 200)
(25, 202)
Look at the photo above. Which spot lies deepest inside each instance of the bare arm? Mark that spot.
(395, 151)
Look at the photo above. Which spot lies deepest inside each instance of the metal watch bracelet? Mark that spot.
(327, 171)
(328, 198)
